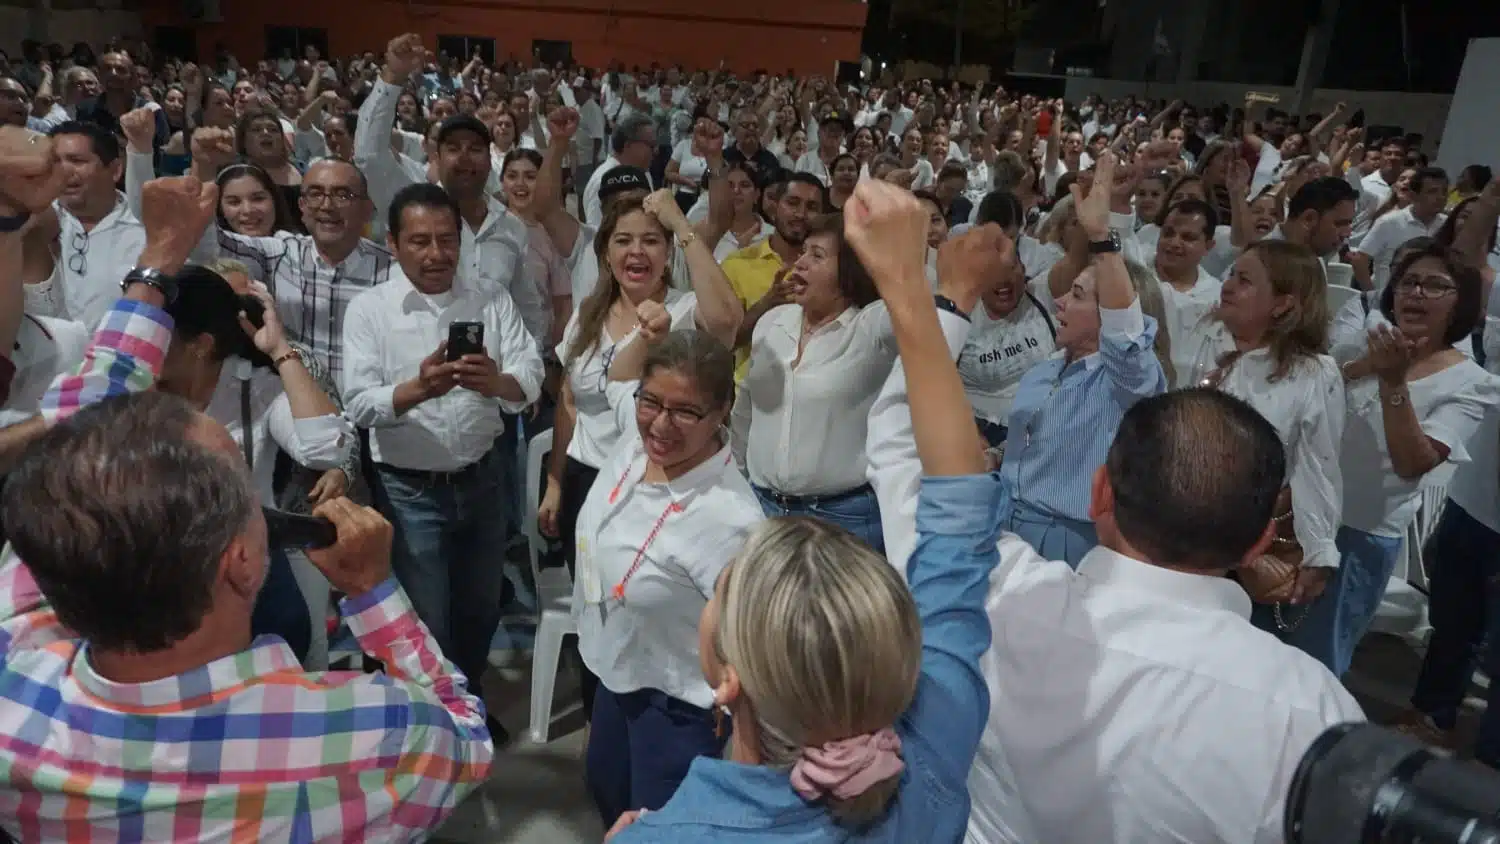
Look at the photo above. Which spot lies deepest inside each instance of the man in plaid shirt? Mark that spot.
(133, 704)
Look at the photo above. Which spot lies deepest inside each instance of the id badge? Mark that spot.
(588, 574)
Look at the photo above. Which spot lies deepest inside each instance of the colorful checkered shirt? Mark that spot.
(246, 748)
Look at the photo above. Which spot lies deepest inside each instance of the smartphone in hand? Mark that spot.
(465, 338)
(292, 530)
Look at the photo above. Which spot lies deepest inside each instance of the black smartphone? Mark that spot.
(292, 530)
(465, 338)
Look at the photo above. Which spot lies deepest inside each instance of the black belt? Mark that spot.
(791, 502)
(428, 477)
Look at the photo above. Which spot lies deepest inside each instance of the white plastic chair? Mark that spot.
(1403, 608)
(1338, 294)
(554, 597)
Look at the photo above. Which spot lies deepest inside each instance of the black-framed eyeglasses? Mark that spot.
(1427, 286)
(78, 253)
(341, 197)
(648, 407)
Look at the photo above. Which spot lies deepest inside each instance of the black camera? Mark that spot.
(1363, 784)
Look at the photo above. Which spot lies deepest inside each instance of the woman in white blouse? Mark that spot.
(815, 368)
(548, 270)
(1414, 401)
(686, 167)
(632, 249)
(1265, 344)
(669, 512)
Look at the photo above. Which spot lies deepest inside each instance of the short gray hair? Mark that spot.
(122, 519)
(628, 130)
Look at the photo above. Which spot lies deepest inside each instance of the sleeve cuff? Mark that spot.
(1325, 555)
(1122, 222)
(1128, 322)
(323, 440)
(376, 609)
(960, 504)
(383, 399)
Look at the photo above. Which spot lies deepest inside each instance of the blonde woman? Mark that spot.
(835, 675)
(1267, 345)
(1066, 408)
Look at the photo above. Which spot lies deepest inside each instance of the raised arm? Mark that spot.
(547, 198)
(958, 507)
(719, 311)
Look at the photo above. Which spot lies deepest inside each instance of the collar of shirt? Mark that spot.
(119, 215)
(1090, 361)
(1112, 570)
(494, 217)
(267, 655)
(760, 251)
(728, 794)
(684, 486)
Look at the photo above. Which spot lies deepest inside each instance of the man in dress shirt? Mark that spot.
(144, 549)
(633, 143)
(1376, 187)
(99, 237)
(434, 422)
(1423, 218)
(1320, 216)
(747, 148)
(120, 96)
(494, 240)
(313, 276)
(588, 143)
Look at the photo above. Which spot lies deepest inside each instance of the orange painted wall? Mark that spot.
(805, 35)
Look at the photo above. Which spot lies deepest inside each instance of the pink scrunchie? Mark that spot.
(847, 768)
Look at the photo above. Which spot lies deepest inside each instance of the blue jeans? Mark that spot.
(449, 553)
(1054, 537)
(1465, 560)
(1338, 619)
(640, 747)
(280, 609)
(856, 511)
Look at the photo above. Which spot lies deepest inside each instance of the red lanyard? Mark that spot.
(618, 593)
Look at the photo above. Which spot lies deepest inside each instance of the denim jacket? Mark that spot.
(721, 801)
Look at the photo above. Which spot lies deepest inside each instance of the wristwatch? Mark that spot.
(164, 284)
(1105, 246)
(14, 223)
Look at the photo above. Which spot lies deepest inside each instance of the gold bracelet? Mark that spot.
(686, 240)
(276, 364)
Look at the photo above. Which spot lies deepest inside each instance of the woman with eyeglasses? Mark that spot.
(667, 514)
(1414, 404)
(632, 248)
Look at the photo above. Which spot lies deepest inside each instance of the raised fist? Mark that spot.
(139, 127)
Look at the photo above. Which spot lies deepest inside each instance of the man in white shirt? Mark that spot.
(99, 238)
(1423, 218)
(1133, 700)
(434, 421)
(633, 143)
(588, 143)
(1376, 187)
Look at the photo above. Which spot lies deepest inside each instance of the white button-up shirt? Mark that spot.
(649, 640)
(494, 256)
(592, 210)
(45, 348)
(92, 263)
(1110, 686)
(388, 331)
(1388, 234)
(1306, 406)
(317, 442)
(808, 402)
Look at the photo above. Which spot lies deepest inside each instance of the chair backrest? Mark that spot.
(1338, 295)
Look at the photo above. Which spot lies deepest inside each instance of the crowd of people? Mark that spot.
(931, 462)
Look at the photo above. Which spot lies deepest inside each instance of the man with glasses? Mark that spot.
(747, 148)
(312, 276)
(633, 144)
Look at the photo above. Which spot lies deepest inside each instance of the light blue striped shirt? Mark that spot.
(1065, 414)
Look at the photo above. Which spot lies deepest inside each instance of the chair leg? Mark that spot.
(549, 640)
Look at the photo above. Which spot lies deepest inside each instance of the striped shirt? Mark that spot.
(1065, 413)
(247, 747)
(311, 294)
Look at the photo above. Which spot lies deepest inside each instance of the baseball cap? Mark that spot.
(462, 123)
(623, 178)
